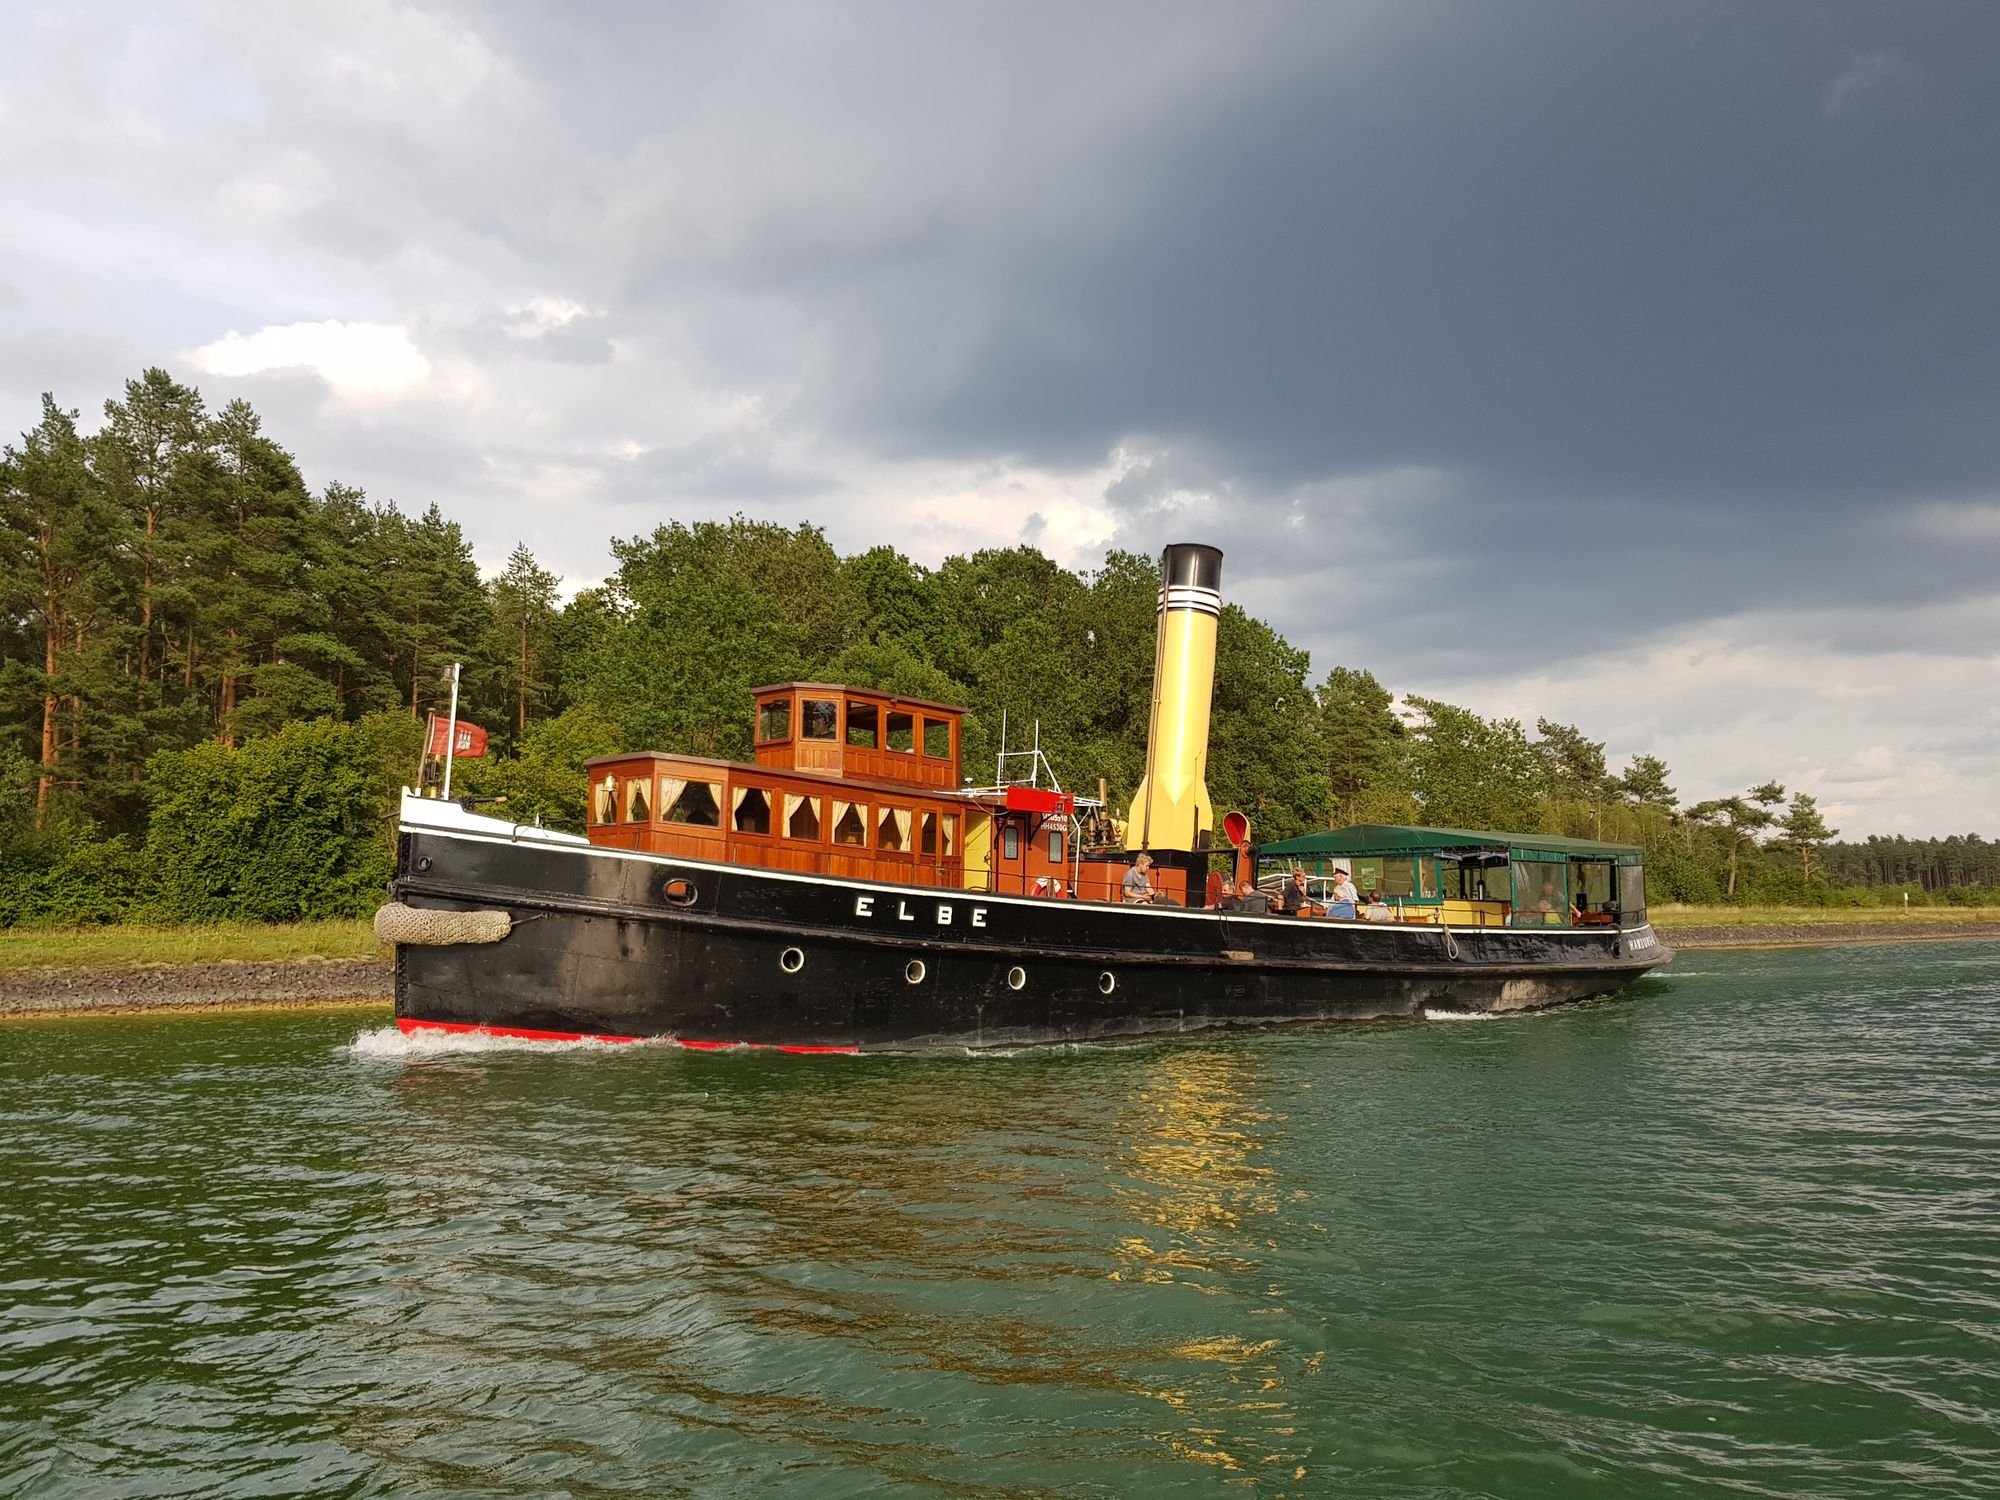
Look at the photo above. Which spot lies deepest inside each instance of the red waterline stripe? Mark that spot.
(528, 1034)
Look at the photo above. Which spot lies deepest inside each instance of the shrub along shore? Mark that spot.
(109, 970)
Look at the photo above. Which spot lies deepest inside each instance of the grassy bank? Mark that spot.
(1917, 917)
(225, 942)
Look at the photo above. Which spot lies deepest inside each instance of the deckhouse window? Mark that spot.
(774, 720)
(1631, 893)
(895, 831)
(864, 725)
(819, 719)
(636, 808)
(1591, 884)
(902, 732)
(752, 810)
(1010, 842)
(850, 825)
(607, 800)
(1055, 846)
(1392, 874)
(950, 835)
(1541, 893)
(937, 739)
(695, 803)
(927, 834)
(802, 818)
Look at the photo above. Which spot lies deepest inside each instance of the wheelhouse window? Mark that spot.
(893, 832)
(1010, 842)
(802, 818)
(937, 739)
(774, 720)
(864, 725)
(607, 800)
(1055, 846)
(902, 735)
(819, 719)
(698, 804)
(850, 825)
(752, 812)
(637, 808)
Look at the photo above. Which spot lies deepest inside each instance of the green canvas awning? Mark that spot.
(1389, 838)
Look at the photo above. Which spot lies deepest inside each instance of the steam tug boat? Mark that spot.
(846, 892)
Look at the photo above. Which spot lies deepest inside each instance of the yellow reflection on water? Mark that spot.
(1192, 1171)
(1194, 1132)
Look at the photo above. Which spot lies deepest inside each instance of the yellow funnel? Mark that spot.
(1171, 808)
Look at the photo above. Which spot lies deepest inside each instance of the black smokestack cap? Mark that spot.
(1191, 565)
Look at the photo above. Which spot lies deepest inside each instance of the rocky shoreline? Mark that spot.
(190, 987)
(1822, 934)
(152, 987)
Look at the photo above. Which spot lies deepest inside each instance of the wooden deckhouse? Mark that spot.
(847, 782)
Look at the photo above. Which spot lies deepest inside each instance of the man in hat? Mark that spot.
(1341, 900)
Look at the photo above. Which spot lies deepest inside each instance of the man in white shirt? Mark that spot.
(1343, 888)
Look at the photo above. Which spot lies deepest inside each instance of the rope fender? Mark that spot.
(397, 923)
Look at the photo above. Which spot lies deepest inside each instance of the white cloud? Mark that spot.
(356, 359)
(1870, 77)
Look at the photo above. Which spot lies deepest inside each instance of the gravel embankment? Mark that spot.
(1821, 934)
(49, 992)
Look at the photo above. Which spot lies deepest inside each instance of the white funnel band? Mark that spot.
(1188, 596)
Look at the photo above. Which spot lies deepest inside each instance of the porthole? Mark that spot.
(792, 960)
(914, 971)
(1016, 977)
(680, 891)
(1106, 982)
(423, 864)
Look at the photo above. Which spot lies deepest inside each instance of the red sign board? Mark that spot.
(1033, 799)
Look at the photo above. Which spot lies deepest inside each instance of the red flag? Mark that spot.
(470, 743)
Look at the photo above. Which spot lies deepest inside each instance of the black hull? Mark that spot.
(763, 958)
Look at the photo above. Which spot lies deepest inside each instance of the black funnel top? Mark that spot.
(1191, 565)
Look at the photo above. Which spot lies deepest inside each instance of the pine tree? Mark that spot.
(1805, 830)
(523, 615)
(60, 575)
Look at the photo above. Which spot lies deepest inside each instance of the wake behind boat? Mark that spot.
(845, 892)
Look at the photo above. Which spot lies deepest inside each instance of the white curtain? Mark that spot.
(607, 800)
(895, 830)
(670, 792)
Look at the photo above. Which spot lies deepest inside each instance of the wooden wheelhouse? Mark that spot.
(853, 783)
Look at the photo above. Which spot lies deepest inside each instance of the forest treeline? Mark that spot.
(215, 677)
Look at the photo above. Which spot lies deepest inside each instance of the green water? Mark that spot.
(1737, 1234)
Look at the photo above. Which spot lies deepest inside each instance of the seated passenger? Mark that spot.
(1137, 886)
(1376, 909)
(1297, 903)
(1248, 900)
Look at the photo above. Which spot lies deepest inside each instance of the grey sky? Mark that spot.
(1635, 364)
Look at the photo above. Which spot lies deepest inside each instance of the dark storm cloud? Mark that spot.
(1487, 338)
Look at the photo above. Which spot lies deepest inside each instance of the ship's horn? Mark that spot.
(1171, 810)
